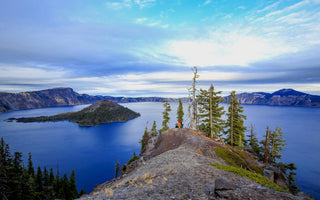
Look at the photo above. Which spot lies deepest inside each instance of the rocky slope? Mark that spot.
(104, 111)
(284, 97)
(175, 165)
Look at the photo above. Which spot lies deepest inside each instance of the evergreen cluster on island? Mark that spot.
(104, 111)
(243, 155)
(19, 182)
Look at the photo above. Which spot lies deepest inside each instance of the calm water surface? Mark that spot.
(93, 151)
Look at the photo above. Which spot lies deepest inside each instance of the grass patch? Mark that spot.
(237, 158)
(251, 175)
(230, 157)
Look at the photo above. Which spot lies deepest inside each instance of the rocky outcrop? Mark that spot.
(175, 165)
(284, 97)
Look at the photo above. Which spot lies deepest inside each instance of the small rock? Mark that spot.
(169, 185)
(219, 194)
(209, 189)
(222, 184)
(172, 197)
(269, 174)
(262, 188)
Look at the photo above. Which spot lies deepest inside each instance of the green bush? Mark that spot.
(251, 175)
(237, 158)
(230, 157)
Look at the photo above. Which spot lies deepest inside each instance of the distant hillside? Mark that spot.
(59, 97)
(284, 97)
(66, 96)
(103, 111)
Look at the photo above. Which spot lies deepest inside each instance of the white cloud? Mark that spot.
(206, 2)
(119, 4)
(225, 49)
(269, 7)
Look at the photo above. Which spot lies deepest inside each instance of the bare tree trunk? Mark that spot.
(193, 117)
(266, 147)
(210, 118)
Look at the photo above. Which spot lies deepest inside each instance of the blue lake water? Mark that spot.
(93, 151)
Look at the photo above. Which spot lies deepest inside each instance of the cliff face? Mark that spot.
(175, 165)
(284, 97)
(59, 97)
(43, 98)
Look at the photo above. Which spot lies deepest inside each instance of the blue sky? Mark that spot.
(147, 47)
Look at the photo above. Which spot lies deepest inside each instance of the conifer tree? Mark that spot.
(276, 144)
(210, 112)
(166, 118)
(154, 131)
(117, 169)
(253, 142)
(30, 165)
(235, 121)
(73, 186)
(180, 112)
(144, 140)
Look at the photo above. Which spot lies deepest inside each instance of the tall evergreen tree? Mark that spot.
(154, 131)
(144, 140)
(276, 144)
(30, 165)
(73, 186)
(235, 121)
(180, 112)
(253, 142)
(117, 169)
(210, 112)
(166, 118)
(39, 184)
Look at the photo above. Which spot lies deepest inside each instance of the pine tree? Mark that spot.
(144, 140)
(210, 112)
(30, 166)
(166, 117)
(180, 112)
(253, 142)
(73, 186)
(117, 169)
(235, 121)
(39, 184)
(154, 131)
(276, 144)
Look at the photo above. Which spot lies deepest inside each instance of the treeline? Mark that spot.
(24, 183)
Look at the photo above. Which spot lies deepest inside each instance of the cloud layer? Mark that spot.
(147, 47)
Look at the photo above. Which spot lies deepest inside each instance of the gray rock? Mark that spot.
(222, 184)
(269, 174)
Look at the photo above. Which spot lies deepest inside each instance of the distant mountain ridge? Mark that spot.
(283, 97)
(59, 97)
(67, 96)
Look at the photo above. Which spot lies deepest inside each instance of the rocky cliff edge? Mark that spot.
(175, 165)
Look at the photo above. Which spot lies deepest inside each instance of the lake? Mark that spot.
(93, 151)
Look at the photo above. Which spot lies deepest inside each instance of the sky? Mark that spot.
(148, 47)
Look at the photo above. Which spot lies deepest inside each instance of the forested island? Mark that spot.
(104, 111)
